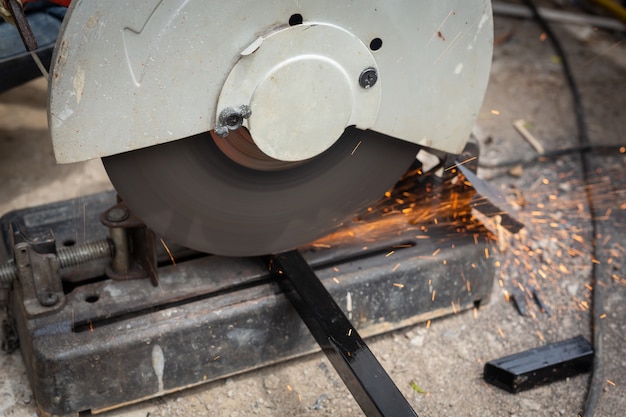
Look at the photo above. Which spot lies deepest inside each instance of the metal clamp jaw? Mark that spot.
(38, 271)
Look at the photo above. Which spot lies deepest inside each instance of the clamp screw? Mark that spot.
(231, 119)
(368, 77)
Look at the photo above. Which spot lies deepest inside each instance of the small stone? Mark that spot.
(271, 382)
(572, 289)
(516, 171)
(418, 340)
(528, 404)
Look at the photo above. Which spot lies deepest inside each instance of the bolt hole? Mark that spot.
(295, 19)
(92, 298)
(69, 242)
(233, 120)
(376, 44)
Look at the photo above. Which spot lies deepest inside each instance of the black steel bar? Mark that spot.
(369, 383)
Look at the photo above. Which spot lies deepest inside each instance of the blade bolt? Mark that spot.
(368, 77)
(231, 119)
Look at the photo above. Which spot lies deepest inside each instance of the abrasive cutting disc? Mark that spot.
(193, 194)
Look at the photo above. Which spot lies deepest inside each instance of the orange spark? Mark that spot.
(168, 252)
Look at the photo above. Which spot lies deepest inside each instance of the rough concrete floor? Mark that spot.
(446, 359)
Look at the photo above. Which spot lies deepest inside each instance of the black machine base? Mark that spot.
(116, 342)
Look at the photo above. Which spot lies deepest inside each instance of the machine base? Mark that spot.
(118, 342)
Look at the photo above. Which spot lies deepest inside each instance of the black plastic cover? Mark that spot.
(543, 365)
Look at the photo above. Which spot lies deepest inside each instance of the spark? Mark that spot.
(349, 332)
(603, 316)
(432, 297)
(336, 280)
(593, 58)
(390, 253)
(540, 336)
(496, 112)
(397, 284)
(355, 148)
(322, 245)
(428, 324)
(501, 332)
(461, 163)
(610, 382)
(168, 252)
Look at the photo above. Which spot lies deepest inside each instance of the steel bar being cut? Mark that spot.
(369, 383)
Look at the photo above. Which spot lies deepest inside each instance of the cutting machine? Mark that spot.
(233, 130)
(246, 128)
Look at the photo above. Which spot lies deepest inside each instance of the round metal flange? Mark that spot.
(192, 193)
(304, 86)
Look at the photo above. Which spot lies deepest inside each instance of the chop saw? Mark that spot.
(245, 129)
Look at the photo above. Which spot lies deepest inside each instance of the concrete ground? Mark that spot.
(446, 358)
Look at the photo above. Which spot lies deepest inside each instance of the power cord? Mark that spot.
(549, 155)
(597, 377)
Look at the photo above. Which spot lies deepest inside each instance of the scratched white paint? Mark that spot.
(78, 82)
(60, 117)
(484, 19)
(158, 364)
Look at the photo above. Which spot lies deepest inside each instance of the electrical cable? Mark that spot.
(597, 377)
(549, 155)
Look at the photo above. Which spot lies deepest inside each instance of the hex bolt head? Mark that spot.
(368, 77)
(117, 214)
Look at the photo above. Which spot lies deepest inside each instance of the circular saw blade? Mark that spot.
(190, 192)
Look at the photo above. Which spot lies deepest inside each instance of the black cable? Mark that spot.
(597, 377)
(549, 155)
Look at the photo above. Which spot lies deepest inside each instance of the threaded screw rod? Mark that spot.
(68, 257)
